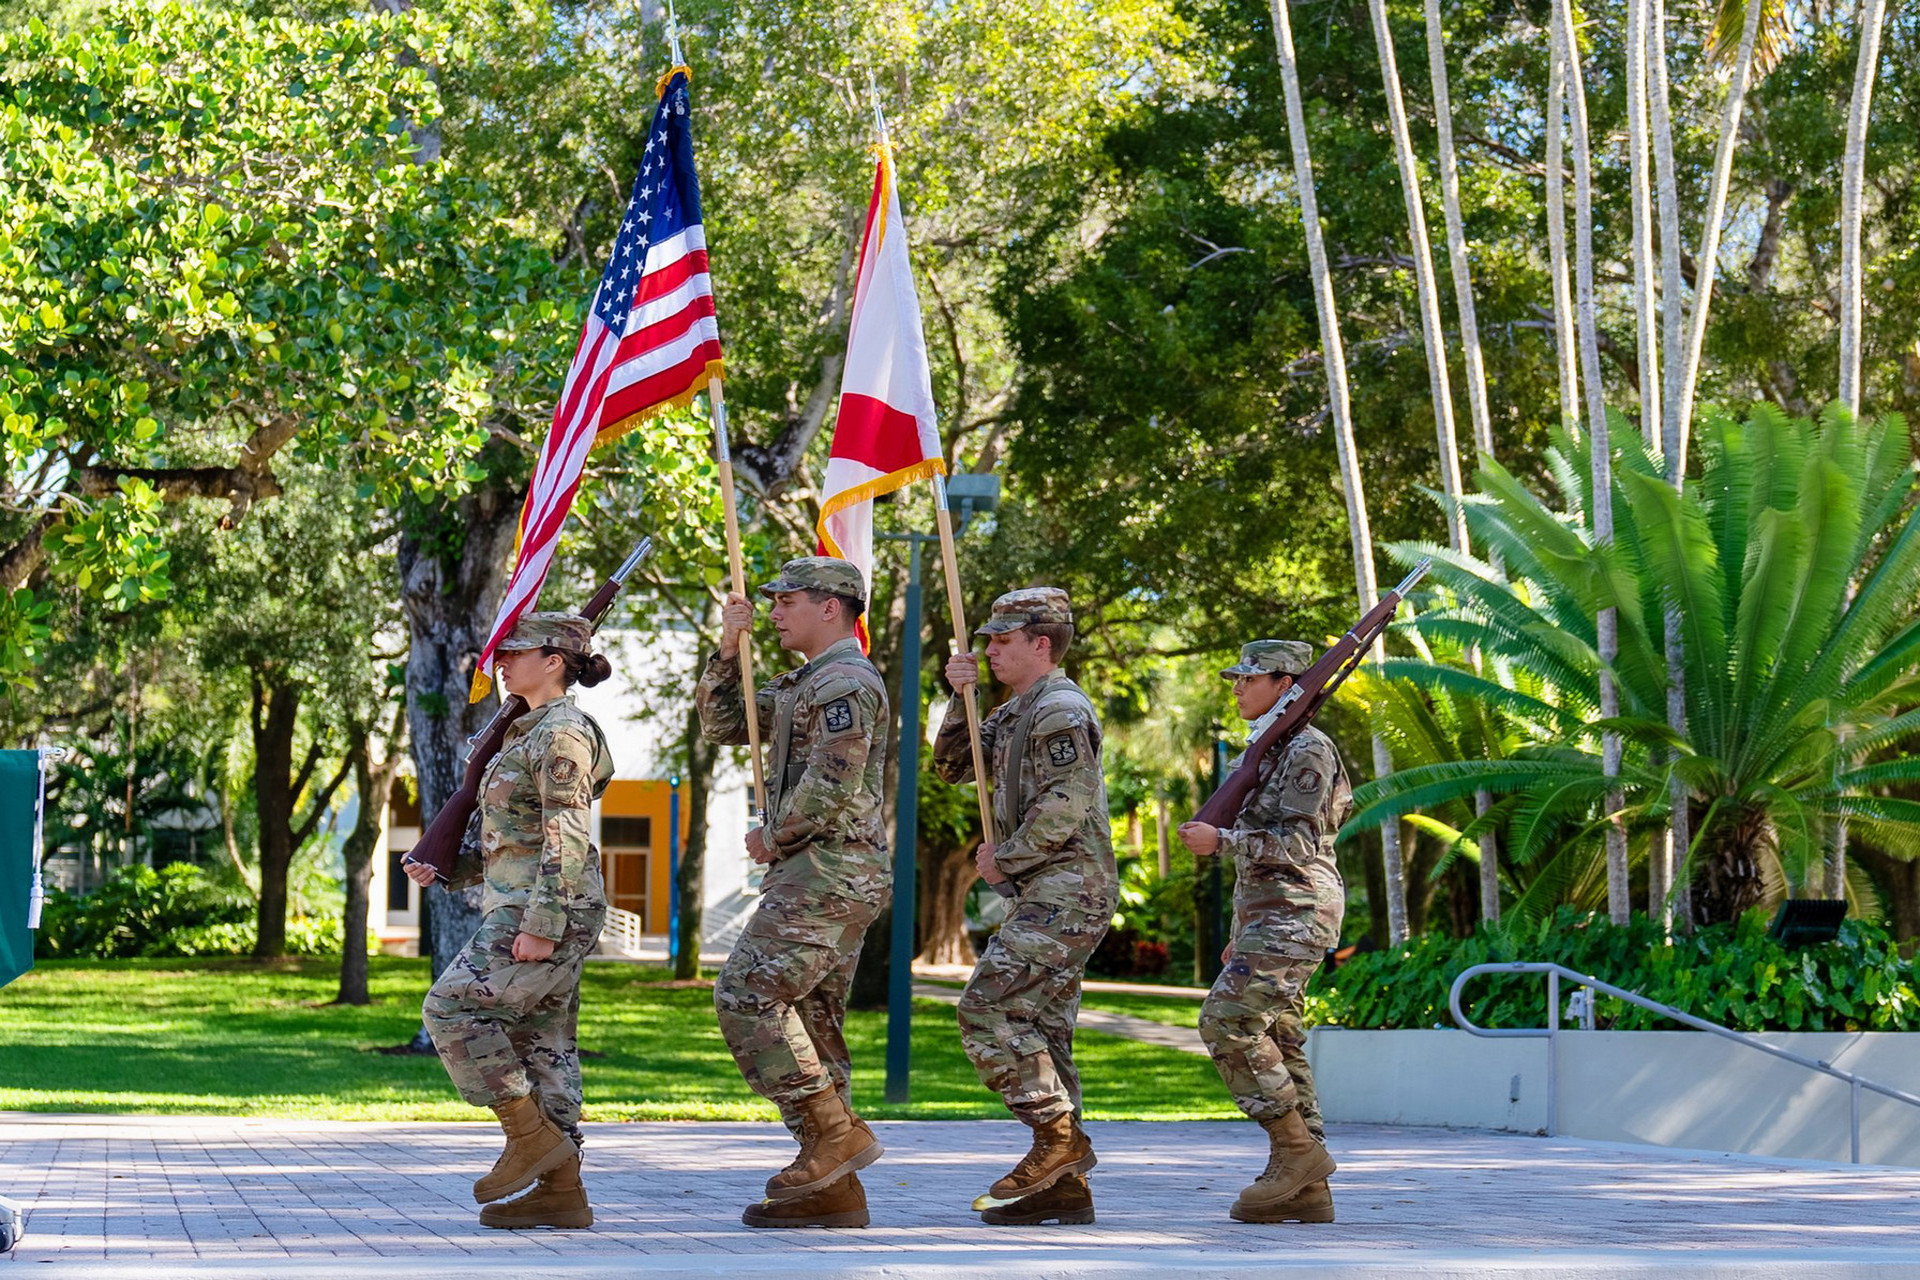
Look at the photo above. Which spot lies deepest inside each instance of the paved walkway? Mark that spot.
(1185, 1039)
(157, 1196)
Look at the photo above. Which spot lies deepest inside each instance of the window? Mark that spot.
(626, 854)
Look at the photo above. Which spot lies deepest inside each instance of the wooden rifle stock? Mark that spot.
(439, 845)
(1298, 705)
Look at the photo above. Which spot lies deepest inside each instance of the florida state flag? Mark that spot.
(884, 435)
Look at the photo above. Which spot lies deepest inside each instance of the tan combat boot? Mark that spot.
(1313, 1204)
(1296, 1160)
(534, 1145)
(1060, 1147)
(833, 1144)
(839, 1204)
(558, 1199)
(1068, 1202)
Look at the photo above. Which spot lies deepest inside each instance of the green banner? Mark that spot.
(19, 851)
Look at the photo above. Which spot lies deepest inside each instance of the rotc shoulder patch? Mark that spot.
(563, 770)
(839, 715)
(1062, 750)
(1307, 781)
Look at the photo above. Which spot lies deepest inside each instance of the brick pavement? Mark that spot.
(194, 1196)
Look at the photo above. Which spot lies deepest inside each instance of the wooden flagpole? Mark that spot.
(963, 643)
(723, 453)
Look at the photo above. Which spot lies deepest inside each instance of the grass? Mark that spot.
(239, 1038)
(1175, 1011)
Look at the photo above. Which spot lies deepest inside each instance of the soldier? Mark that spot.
(782, 995)
(1055, 857)
(1287, 906)
(505, 1014)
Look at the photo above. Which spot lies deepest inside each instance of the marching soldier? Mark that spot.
(782, 995)
(505, 1014)
(1287, 907)
(1055, 854)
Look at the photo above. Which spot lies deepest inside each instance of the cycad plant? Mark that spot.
(1793, 561)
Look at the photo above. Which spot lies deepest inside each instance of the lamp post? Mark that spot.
(966, 496)
(673, 871)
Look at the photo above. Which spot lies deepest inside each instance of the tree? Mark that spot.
(1782, 667)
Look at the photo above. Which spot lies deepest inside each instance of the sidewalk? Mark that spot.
(144, 1196)
(1146, 1030)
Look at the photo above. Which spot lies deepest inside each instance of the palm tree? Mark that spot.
(1853, 168)
(1789, 678)
(1565, 338)
(1335, 358)
(1432, 335)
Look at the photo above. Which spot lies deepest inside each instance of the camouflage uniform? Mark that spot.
(1287, 907)
(507, 1028)
(781, 997)
(1019, 1008)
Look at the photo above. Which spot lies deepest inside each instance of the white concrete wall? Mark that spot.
(1665, 1088)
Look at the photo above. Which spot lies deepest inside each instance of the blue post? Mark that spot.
(673, 870)
(905, 843)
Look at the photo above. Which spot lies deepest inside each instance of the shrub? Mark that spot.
(176, 911)
(1733, 974)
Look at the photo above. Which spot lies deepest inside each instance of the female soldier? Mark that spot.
(505, 1013)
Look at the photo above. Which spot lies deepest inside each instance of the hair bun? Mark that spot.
(594, 668)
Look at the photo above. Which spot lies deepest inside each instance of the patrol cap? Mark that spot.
(1272, 658)
(1029, 606)
(819, 573)
(566, 632)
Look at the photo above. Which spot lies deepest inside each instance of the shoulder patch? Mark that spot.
(1062, 750)
(564, 770)
(838, 715)
(1306, 780)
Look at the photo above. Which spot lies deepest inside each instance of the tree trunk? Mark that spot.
(1433, 335)
(1334, 358)
(701, 757)
(1565, 330)
(1853, 167)
(1457, 239)
(1706, 264)
(1641, 227)
(949, 875)
(452, 562)
(374, 785)
(276, 714)
(1730, 882)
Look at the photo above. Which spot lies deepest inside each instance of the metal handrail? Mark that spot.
(1551, 1034)
(624, 930)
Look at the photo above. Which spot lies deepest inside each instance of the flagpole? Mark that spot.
(962, 640)
(717, 402)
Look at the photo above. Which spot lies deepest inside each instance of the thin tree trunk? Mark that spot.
(1706, 264)
(1457, 239)
(276, 713)
(1606, 624)
(692, 879)
(1641, 235)
(1565, 335)
(374, 785)
(1852, 181)
(1161, 845)
(1334, 358)
(1433, 335)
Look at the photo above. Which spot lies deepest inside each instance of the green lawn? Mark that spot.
(236, 1038)
(1175, 1011)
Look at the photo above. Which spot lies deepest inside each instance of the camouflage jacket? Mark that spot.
(1289, 897)
(825, 726)
(1049, 795)
(536, 797)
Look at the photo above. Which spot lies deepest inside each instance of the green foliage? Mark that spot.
(178, 910)
(1731, 973)
(1794, 563)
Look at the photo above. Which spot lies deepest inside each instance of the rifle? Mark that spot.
(439, 845)
(1308, 693)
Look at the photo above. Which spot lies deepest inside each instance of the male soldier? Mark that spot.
(1287, 906)
(1055, 855)
(782, 995)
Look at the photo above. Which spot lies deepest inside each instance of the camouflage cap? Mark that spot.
(1272, 658)
(1025, 607)
(819, 573)
(567, 632)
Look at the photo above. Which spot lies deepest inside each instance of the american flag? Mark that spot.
(650, 342)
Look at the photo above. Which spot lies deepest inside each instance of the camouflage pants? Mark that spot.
(507, 1028)
(1252, 1024)
(1018, 1011)
(782, 1007)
